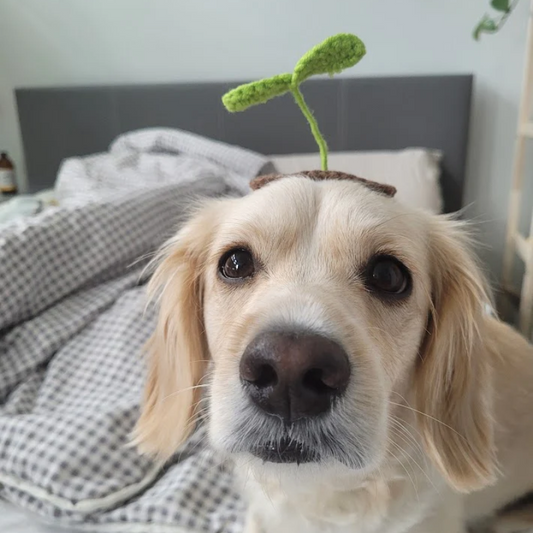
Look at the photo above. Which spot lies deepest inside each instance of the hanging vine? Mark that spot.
(492, 24)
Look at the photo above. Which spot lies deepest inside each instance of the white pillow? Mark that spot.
(415, 172)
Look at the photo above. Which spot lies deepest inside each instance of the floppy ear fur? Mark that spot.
(177, 350)
(453, 380)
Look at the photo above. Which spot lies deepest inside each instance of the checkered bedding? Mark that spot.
(72, 326)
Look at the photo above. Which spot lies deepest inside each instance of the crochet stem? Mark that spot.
(298, 96)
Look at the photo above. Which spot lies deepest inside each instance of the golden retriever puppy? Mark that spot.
(354, 374)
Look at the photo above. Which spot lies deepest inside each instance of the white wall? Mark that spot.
(70, 42)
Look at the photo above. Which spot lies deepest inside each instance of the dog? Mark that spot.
(354, 373)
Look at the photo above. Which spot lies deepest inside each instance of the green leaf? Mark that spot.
(501, 5)
(333, 55)
(257, 92)
(486, 25)
(489, 26)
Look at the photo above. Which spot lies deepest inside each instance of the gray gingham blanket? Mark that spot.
(72, 326)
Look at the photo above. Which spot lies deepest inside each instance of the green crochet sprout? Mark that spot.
(332, 56)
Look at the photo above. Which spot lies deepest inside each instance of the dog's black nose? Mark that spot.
(294, 375)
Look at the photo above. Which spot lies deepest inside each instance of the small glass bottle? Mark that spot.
(8, 181)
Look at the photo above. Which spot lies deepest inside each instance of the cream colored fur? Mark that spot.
(442, 407)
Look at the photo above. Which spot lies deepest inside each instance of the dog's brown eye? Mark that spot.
(237, 264)
(387, 275)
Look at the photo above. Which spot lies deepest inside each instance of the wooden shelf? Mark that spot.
(516, 243)
(526, 130)
(523, 246)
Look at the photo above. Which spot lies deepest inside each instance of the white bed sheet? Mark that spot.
(16, 520)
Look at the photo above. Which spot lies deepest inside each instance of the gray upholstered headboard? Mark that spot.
(354, 114)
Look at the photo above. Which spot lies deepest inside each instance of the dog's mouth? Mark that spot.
(286, 451)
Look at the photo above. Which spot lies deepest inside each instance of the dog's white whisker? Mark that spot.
(400, 462)
(422, 470)
(181, 391)
(428, 416)
(408, 437)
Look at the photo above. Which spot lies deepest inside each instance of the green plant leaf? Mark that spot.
(501, 5)
(489, 26)
(256, 92)
(333, 55)
(486, 25)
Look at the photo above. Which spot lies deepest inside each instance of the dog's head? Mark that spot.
(317, 313)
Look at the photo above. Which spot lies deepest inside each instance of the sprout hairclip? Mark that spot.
(332, 56)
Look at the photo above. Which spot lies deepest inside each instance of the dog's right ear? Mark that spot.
(177, 350)
(454, 373)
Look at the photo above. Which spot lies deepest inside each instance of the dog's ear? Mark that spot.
(453, 379)
(177, 350)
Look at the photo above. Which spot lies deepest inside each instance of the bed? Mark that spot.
(364, 114)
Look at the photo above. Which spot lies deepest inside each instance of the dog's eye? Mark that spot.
(236, 264)
(388, 275)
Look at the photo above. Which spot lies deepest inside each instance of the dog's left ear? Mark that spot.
(453, 379)
(177, 350)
